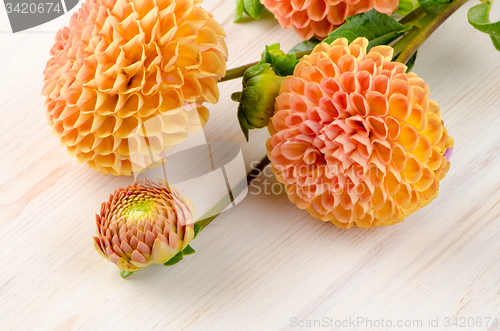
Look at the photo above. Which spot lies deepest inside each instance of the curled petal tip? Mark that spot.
(448, 153)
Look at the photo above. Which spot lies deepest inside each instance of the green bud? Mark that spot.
(282, 64)
(261, 86)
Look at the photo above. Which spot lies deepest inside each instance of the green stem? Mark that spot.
(405, 40)
(415, 15)
(427, 30)
(236, 96)
(239, 71)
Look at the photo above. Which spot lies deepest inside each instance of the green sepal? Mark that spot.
(378, 28)
(254, 71)
(238, 14)
(197, 229)
(125, 274)
(249, 95)
(174, 260)
(243, 122)
(267, 54)
(306, 45)
(188, 250)
(282, 64)
(254, 8)
(479, 18)
(406, 6)
(433, 6)
(411, 62)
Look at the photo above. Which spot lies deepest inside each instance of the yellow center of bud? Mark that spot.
(139, 209)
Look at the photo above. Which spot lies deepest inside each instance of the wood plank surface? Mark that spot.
(263, 264)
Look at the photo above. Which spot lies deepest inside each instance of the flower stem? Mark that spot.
(404, 41)
(239, 71)
(415, 15)
(427, 30)
(236, 96)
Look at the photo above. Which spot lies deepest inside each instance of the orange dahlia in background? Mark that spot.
(355, 139)
(127, 78)
(320, 17)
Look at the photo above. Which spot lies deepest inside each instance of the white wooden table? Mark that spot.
(264, 264)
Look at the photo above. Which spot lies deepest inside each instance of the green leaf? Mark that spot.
(306, 45)
(125, 274)
(496, 42)
(188, 250)
(239, 11)
(479, 18)
(433, 6)
(411, 62)
(174, 260)
(243, 125)
(197, 229)
(406, 6)
(253, 8)
(378, 28)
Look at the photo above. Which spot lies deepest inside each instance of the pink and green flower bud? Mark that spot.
(261, 86)
(146, 223)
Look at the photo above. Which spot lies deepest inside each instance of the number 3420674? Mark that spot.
(464, 322)
(31, 8)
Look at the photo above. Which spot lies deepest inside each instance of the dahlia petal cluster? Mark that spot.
(355, 139)
(127, 79)
(320, 17)
(143, 224)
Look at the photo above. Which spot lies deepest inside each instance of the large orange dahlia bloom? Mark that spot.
(127, 78)
(355, 139)
(320, 17)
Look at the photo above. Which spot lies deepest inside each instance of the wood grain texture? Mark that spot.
(263, 263)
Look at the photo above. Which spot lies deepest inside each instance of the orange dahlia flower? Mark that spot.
(320, 17)
(128, 78)
(355, 139)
